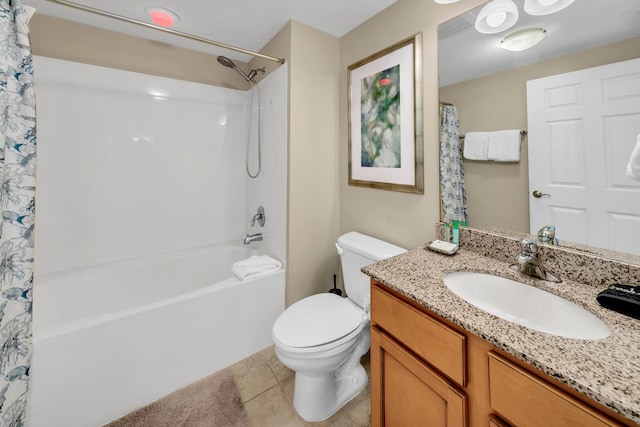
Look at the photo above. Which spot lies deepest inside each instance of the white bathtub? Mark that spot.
(107, 340)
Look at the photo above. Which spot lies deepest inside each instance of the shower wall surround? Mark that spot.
(132, 164)
(269, 188)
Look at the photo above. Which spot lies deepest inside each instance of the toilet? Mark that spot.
(323, 337)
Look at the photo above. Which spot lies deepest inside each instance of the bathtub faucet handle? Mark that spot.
(258, 217)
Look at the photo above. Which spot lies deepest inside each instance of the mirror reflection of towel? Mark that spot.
(476, 145)
(633, 167)
(504, 146)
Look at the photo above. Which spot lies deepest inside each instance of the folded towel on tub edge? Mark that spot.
(255, 266)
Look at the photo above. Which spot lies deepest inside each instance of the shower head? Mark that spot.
(229, 63)
(226, 62)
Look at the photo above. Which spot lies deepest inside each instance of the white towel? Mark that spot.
(476, 145)
(633, 167)
(504, 146)
(255, 266)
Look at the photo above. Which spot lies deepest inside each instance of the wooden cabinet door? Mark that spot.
(406, 392)
(495, 421)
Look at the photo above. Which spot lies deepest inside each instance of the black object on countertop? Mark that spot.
(624, 299)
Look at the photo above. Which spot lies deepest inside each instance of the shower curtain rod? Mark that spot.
(166, 30)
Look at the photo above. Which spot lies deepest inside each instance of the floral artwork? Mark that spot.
(385, 119)
(380, 109)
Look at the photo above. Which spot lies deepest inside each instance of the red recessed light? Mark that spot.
(162, 17)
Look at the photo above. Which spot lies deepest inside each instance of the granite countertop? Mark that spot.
(606, 370)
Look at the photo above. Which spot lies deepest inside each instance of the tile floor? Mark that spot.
(266, 390)
(255, 392)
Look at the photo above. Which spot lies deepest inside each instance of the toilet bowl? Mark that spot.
(325, 358)
(323, 337)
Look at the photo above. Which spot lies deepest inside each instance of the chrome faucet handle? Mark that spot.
(529, 264)
(529, 247)
(259, 217)
(547, 234)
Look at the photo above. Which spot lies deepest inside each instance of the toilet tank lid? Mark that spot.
(369, 247)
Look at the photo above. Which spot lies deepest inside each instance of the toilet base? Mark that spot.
(319, 397)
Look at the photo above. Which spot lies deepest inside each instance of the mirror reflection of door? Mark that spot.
(583, 127)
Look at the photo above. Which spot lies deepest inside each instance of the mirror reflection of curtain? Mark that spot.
(17, 191)
(452, 191)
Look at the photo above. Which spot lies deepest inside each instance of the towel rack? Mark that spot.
(522, 134)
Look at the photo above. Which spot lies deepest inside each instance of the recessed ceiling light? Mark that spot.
(545, 7)
(161, 16)
(497, 16)
(445, 1)
(523, 39)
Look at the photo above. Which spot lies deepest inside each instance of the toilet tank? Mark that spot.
(357, 250)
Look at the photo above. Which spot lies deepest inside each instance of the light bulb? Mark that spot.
(496, 19)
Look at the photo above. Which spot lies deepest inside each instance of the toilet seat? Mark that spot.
(317, 320)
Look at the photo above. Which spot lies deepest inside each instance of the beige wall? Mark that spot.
(407, 220)
(497, 193)
(313, 198)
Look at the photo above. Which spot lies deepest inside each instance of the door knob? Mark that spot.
(537, 194)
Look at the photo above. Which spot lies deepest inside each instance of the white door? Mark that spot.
(582, 128)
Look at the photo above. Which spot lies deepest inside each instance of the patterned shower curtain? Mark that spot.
(17, 191)
(453, 195)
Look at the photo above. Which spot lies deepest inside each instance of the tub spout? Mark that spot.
(252, 238)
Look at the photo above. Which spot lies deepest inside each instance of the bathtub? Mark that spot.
(109, 339)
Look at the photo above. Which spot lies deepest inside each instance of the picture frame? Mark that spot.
(385, 119)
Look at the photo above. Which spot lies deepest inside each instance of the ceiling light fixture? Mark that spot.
(523, 39)
(446, 1)
(545, 7)
(161, 16)
(497, 16)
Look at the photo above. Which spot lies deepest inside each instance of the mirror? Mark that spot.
(487, 85)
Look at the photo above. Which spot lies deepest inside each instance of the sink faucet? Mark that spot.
(547, 234)
(252, 238)
(529, 264)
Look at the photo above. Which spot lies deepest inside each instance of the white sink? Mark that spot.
(526, 305)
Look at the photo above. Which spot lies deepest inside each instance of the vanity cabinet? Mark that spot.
(405, 390)
(427, 371)
(410, 390)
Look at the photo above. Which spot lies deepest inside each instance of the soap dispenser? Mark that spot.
(456, 233)
(446, 236)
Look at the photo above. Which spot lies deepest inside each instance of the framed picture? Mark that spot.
(385, 119)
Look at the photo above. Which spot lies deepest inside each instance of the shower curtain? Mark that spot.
(452, 191)
(17, 175)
